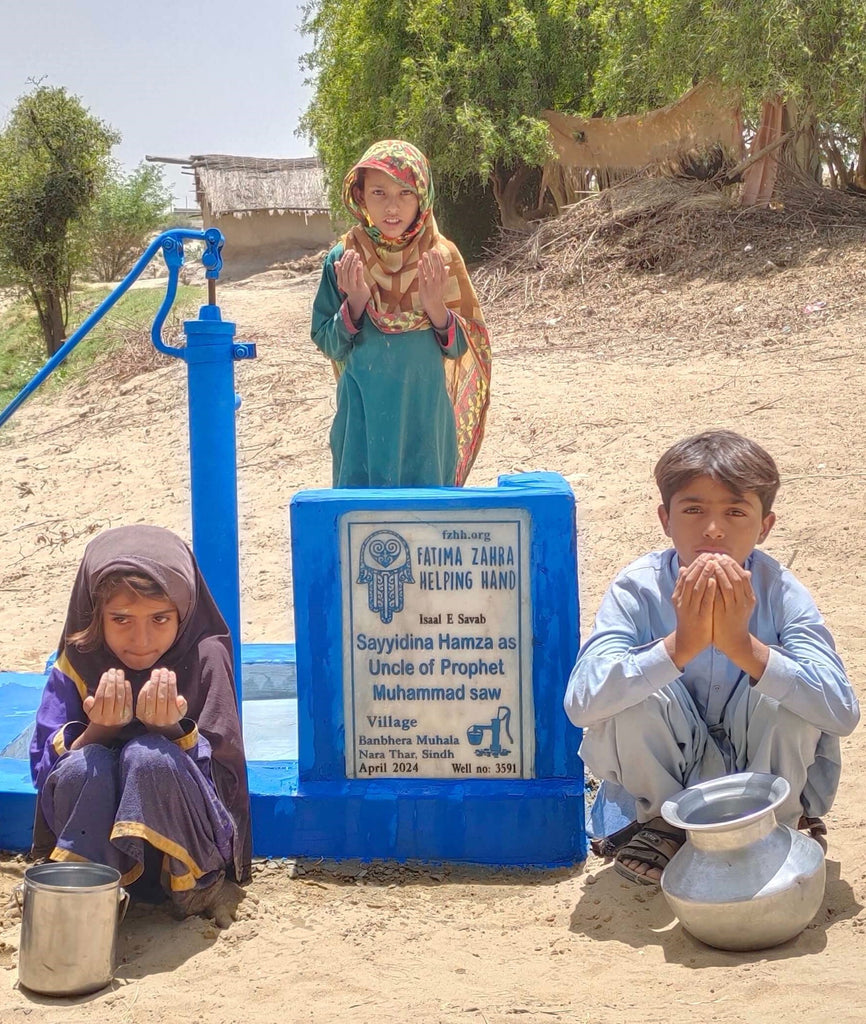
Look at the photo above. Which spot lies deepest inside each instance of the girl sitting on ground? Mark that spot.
(138, 756)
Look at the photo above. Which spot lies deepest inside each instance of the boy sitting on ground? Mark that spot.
(707, 659)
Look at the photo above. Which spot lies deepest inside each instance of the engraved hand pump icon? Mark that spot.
(475, 734)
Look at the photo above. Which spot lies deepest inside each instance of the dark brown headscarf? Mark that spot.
(201, 655)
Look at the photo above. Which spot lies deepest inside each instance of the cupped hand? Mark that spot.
(111, 705)
(693, 599)
(432, 281)
(159, 705)
(350, 280)
(734, 604)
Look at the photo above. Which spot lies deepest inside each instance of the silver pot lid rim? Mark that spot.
(774, 787)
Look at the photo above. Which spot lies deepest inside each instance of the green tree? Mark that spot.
(126, 210)
(810, 55)
(464, 80)
(53, 157)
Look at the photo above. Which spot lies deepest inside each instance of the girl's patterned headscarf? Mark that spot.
(405, 164)
(391, 271)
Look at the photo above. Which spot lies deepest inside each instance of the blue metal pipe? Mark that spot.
(173, 237)
(209, 353)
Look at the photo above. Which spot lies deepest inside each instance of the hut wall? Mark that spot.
(263, 231)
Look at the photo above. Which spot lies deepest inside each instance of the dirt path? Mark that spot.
(598, 403)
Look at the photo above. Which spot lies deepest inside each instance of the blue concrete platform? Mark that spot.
(351, 818)
(309, 797)
(357, 812)
(281, 804)
(270, 731)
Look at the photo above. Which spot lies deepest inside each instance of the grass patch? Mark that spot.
(124, 328)
(20, 348)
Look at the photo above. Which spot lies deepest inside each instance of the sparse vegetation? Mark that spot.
(125, 213)
(53, 159)
(120, 344)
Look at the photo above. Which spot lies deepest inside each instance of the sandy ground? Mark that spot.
(595, 396)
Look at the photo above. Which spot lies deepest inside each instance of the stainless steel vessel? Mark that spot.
(741, 880)
(70, 913)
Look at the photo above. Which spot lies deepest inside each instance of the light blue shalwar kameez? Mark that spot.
(651, 730)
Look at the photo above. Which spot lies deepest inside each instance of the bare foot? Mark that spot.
(224, 909)
(638, 867)
(202, 900)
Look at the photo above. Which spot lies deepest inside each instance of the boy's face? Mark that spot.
(706, 516)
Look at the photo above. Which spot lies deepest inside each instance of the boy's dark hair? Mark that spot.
(92, 637)
(733, 460)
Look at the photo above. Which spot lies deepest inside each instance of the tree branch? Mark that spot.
(755, 157)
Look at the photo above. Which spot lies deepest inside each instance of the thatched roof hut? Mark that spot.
(244, 185)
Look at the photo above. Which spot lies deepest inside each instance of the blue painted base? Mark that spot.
(536, 821)
(17, 804)
(478, 821)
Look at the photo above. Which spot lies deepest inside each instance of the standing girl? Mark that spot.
(137, 756)
(398, 316)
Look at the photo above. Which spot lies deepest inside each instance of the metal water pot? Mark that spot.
(741, 880)
(70, 912)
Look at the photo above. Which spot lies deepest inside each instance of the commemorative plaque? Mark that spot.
(437, 645)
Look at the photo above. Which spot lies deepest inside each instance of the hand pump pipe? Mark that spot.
(209, 353)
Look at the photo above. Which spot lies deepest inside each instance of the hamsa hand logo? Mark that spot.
(385, 564)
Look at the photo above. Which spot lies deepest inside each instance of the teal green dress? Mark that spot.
(394, 425)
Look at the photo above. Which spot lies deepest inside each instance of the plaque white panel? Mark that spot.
(437, 649)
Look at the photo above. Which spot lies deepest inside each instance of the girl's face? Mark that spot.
(391, 205)
(139, 630)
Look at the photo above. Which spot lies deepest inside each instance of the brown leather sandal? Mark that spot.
(816, 829)
(607, 846)
(653, 845)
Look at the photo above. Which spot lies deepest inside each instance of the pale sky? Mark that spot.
(174, 77)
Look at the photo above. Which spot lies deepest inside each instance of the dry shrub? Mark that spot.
(130, 354)
(680, 227)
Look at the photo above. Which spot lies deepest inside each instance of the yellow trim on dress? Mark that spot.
(65, 665)
(59, 742)
(161, 842)
(134, 873)
(178, 883)
(58, 853)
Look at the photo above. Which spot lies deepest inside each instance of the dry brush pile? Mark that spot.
(666, 242)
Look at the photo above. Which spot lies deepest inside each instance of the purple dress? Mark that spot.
(180, 806)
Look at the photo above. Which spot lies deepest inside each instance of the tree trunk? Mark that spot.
(761, 174)
(860, 168)
(506, 190)
(785, 146)
(837, 166)
(802, 154)
(52, 320)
